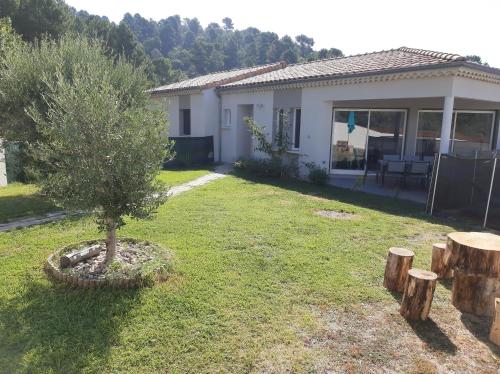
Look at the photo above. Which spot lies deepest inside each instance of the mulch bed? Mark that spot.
(134, 262)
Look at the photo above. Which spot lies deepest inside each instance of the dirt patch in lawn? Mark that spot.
(333, 214)
(374, 338)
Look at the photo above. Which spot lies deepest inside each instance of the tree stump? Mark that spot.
(475, 252)
(495, 327)
(474, 293)
(440, 261)
(418, 294)
(399, 261)
(475, 257)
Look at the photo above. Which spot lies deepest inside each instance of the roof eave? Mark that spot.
(451, 64)
(176, 91)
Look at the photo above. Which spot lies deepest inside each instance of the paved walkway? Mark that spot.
(220, 172)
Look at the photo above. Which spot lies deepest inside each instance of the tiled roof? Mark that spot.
(376, 62)
(218, 78)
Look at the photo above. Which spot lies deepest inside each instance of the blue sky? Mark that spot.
(354, 26)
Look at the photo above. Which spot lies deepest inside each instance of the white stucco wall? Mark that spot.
(210, 118)
(3, 170)
(262, 102)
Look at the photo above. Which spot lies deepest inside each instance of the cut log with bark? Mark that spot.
(440, 261)
(72, 258)
(418, 294)
(495, 327)
(475, 293)
(475, 252)
(399, 261)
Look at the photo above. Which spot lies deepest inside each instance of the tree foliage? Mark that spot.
(189, 48)
(102, 148)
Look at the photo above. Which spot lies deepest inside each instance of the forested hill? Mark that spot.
(172, 48)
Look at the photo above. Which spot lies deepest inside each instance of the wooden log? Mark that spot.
(399, 261)
(440, 261)
(495, 326)
(74, 257)
(475, 252)
(418, 294)
(475, 293)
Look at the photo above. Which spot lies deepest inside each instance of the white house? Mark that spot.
(405, 102)
(193, 106)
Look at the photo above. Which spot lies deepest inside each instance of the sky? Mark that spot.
(353, 26)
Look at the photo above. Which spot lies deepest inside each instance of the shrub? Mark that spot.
(317, 174)
(267, 167)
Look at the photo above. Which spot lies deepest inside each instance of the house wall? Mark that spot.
(262, 102)
(412, 95)
(210, 118)
(3, 169)
(287, 98)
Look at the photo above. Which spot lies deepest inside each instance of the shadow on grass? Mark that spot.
(362, 199)
(432, 335)
(480, 328)
(447, 283)
(49, 328)
(22, 206)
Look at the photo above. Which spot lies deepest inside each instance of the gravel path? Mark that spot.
(220, 172)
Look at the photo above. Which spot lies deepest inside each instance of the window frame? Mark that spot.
(369, 110)
(294, 128)
(453, 125)
(183, 124)
(227, 123)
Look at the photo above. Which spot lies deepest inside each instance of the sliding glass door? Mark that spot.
(361, 137)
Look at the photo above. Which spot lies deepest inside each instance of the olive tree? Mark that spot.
(101, 147)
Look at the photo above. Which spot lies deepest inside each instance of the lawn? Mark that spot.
(22, 200)
(261, 284)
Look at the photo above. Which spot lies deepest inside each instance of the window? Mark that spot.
(227, 117)
(287, 127)
(296, 128)
(362, 137)
(471, 131)
(428, 133)
(185, 121)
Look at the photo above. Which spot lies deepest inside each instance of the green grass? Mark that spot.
(178, 176)
(252, 267)
(22, 200)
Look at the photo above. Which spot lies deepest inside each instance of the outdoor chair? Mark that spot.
(418, 170)
(394, 168)
(382, 164)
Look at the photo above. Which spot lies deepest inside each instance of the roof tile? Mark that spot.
(390, 60)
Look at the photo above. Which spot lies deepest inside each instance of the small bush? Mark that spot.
(317, 174)
(267, 167)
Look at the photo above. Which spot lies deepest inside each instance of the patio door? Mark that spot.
(361, 137)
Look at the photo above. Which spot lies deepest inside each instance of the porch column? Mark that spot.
(444, 146)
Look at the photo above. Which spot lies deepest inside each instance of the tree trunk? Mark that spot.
(475, 293)
(418, 294)
(110, 240)
(399, 261)
(495, 327)
(440, 261)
